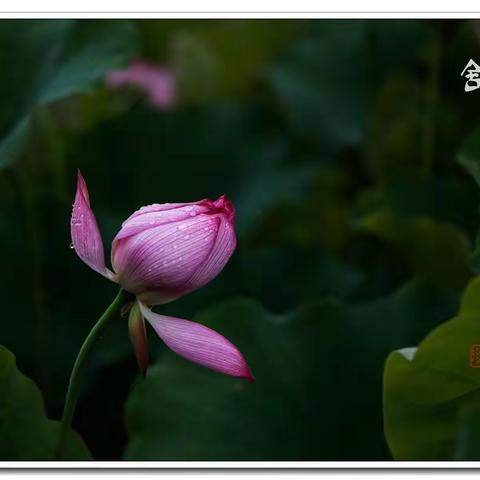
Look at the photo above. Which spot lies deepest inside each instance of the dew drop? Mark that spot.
(193, 213)
(71, 245)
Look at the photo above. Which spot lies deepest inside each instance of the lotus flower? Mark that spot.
(164, 251)
(157, 82)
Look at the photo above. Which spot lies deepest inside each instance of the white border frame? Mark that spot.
(190, 13)
(189, 465)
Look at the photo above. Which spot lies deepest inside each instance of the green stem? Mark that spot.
(74, 384)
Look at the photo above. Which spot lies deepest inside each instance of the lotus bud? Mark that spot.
(162, 252)
(166, 250)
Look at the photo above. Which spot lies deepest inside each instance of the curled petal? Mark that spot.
(158, 214)
(86, 237)
(199, 344)
(223, 248)
(138, 336)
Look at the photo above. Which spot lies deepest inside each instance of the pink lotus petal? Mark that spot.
(199, 344)
(138, 336)
(86, 238)
(222, 250)
(159, 214)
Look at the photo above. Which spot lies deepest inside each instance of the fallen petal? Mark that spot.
(199, 344)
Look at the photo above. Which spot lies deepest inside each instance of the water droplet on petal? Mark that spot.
(186, 237)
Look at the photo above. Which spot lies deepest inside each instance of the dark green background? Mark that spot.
(338, 142)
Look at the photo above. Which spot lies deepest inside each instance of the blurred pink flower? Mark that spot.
(162, 252)
(157, 82)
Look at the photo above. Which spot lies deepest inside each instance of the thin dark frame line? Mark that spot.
(248, 12)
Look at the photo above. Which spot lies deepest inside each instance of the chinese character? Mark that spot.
(472, 76)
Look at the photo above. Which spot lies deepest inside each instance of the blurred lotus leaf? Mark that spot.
(395, 126)
(68, 57)
(215, 58)
(25, 431)
(427, 391)
(329, 105)
(468, 439)
(469, 155)
(436, 250)
(315, 369)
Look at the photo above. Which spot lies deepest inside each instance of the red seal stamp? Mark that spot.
(475, 356)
